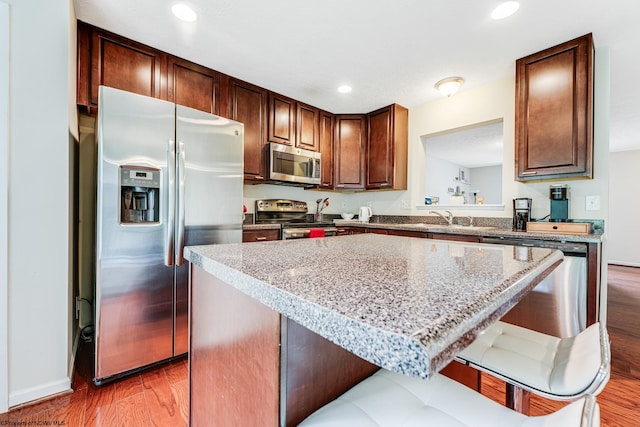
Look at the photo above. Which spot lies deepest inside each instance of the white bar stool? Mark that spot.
(389, 399)
(555, 368)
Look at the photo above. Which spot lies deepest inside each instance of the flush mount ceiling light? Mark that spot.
(449, 86)
(184, 12)
(505, 9)
(344, 89)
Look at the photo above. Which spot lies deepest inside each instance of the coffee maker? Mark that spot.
(559, 203)
(521, 213)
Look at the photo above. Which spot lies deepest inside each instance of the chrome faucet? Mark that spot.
(448, 218)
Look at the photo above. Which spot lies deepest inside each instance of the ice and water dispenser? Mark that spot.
(139, 194)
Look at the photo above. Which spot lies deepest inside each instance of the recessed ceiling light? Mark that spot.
(345, 89)
(184, 12)
(505, 9)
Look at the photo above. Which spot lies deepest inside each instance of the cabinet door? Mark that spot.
(193, 86)
(307, 122)
(326, 148)
(248, 105)
(349, 145)
(387, 148)
(282, 119)
(124, 64)
(455, 237)
(260, 235)
(554, 112)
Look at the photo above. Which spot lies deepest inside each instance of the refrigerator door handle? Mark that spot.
(180, 228)
(169, 238)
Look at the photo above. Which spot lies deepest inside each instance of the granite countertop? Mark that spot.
(405, 304)
(485, 231)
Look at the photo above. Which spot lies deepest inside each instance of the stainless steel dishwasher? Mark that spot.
(557, 305)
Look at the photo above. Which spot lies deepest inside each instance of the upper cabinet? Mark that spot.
(248, 104)
(282, 119)
(111, 60)
(307, 127)
(325, 142)
(193, 86)
(554, 112)
(349, 151)
(387, 148)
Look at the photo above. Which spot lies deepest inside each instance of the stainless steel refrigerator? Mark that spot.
(167, 176)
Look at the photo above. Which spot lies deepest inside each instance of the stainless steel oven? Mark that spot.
(293, 217)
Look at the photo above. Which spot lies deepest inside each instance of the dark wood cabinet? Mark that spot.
(408, 233)
(111, 60)
(325, 144)
(282, 119)
(349, 151)
(554, 112)
(260, 235)
(248, 104)
(307, 127)
(349, 230)
(455, 237)
(387, 146)
(193, 86)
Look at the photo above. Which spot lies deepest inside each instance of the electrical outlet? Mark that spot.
(592, 203)
(406, 204)
(369, 203)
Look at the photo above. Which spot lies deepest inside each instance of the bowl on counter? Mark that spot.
(347, 215)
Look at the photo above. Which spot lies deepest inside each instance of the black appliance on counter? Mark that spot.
(521, 213)
(293, 217)
(559, 203)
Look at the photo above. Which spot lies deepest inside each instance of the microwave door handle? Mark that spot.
(169, 236)
(180, 228)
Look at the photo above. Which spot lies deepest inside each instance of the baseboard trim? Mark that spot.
(47, 390)
(624, 263)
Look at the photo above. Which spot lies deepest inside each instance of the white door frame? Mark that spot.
(5, 29)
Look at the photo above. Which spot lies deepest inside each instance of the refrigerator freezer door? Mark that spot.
(210, 174)
(134, 288)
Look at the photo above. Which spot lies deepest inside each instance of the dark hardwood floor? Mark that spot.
(158, 397)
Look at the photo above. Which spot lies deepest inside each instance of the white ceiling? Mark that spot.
(388, 50)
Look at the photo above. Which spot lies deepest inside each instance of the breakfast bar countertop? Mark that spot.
(405, 304)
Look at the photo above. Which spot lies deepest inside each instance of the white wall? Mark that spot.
(4, 200)
(624, 204)
(39, 232)
(488, 180)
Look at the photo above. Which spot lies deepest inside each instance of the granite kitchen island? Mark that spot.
(264, 315)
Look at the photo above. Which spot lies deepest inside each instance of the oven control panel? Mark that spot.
(281, 205)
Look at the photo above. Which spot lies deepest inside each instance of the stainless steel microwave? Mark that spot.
(294, 165)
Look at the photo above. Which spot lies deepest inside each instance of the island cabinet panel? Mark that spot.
(234, 356)
(387, 148)
(193, 86)
(325, 144)
(247, 104)
(554, 112)
(349, 155)
(250, 366)
(120, 63)
(317, 371)
(282, 119)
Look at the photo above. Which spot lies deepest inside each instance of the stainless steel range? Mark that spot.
(294, 217)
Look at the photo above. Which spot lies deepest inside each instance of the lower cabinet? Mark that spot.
(260, 235)
(455, 237)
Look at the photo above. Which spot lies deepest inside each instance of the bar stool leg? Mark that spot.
(517, 399)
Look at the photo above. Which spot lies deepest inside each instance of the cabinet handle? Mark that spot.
(261, 238)
(340, 186)
(529, 173)
(259, 177)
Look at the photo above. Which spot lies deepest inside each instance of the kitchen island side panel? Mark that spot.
(234, 361)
